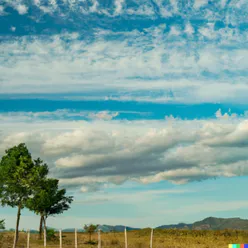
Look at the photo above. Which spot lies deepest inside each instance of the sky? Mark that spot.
(139, 107)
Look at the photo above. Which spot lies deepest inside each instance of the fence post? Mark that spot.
(60, 238)
(45, 236)
(99, 238)
(125, 237)
(28, 238)
(151, 238)
(76, 245)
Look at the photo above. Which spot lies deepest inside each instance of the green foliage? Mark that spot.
(2, 224)
(18, 176)
(51, 234)
(49, 199)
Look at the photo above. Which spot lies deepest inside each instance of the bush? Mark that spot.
(51, 234)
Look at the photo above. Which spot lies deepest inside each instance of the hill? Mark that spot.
(212, 223)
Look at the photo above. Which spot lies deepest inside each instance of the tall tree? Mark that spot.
(19, 175)
(2, 224)
(49, 200)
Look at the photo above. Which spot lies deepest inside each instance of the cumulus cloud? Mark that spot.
(22, 9)
(88, 155)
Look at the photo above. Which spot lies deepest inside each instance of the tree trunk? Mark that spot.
(45, 231)
(44, 222)
(17, 227)
(40, 228)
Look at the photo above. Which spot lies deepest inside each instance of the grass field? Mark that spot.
(139, 239)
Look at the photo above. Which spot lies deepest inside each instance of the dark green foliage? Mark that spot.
(49, 200)
(2, 224)
(19, 176)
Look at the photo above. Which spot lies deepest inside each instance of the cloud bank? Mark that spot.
(88, 155)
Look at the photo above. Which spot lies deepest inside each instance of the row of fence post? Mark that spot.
(76, 240)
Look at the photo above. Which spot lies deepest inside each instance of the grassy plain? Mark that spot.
(138, 239)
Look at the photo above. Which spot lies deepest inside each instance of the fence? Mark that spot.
(76, 239)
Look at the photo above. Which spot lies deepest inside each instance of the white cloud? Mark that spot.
(189, 29)
(223, 3)
(119, 5)
(92, 154)
(94, 6)
(149, 65)
(103, 115)
(22, 9)
(174, 31)
(199, 3)
(2, 12)
(218, 114)
(13, 29)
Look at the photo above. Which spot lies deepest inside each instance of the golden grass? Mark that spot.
(139, 239)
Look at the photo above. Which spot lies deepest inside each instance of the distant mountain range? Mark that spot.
(210, 223)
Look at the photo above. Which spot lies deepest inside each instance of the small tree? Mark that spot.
(90, 229)
(19, 175)
(2, 224)
(49, 200)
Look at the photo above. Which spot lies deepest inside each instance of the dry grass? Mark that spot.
(140, 239)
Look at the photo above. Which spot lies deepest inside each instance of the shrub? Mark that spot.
(51, 234)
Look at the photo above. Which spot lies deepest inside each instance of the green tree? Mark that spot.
(2, 224)
(19, 175)
(49, 200)
(90, 229)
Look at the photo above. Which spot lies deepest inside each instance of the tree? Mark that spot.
(90, 229)
(19, 175)
(49, 200)
(2, 224)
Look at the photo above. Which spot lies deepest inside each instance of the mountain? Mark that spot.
(118, 228)
(212, 223)
(177, 226)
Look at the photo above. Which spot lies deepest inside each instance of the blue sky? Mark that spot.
(138, 107)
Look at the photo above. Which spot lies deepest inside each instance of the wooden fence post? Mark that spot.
(125, 237)
(60, 238)
(151, 238)
(28, 238)
(45, 237)
(99, 238)
(76, 244)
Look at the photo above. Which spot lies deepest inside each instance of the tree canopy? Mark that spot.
(49, 200)
(19, 176)
(24, 183)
